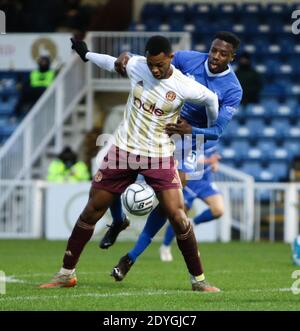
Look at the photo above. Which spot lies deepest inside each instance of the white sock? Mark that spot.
(66, 271)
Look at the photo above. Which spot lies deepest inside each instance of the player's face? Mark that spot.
(220, 54)
(160, 65)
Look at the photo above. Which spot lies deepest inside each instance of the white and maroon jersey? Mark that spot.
(152, 103)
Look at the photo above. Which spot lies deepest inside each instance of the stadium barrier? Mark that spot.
(22, 213)
(114, 43)
(253, 211)
(277, 209)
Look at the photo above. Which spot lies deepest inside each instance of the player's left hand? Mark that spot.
(80, 47)
(213, 161)
(181, 127)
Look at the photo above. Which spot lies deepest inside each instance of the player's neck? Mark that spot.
(169, 73)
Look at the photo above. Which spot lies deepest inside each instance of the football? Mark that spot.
(138, 199)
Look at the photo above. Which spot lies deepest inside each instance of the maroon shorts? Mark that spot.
(119, 169)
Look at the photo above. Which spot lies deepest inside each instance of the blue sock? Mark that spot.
(169, 235)
(154, 223)
(206, 216)
(116, 211)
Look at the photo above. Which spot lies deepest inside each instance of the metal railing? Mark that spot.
(21, 216)
(43, 122)
(114, 43)
(238, 192)
(276, 211)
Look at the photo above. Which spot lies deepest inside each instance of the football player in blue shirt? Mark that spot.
(214, 71)
(204, 189)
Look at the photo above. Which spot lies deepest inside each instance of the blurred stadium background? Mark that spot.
(260, 149)
(259, 174)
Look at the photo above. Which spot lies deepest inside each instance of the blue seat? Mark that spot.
(228, 153)
(152, 24)
(293, 132)
(255, 126)
(179, 10)
(269, 104)
(176, 23)
(7, 107)
(252, 168)
(283, 154)
(255, 153)
(292, 146)
(281, 125)
(8, 129)
(153, 10)
(284, 111)
(267, 147)
(279, 169)
(231, 130)
(255, 110)
(287, 46)
(241, 148)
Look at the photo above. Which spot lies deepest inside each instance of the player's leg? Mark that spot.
(215, 209)
(120, 222)
(171, 201)
(154, 223)
(107, 182)
(165, 249)
(207, 191)
(99, 201)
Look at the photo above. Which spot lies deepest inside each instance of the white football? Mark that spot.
(138, 199)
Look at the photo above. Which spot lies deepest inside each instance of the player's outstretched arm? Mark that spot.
(103, 61)
(215, 131)
(121, 62)
(200, 94)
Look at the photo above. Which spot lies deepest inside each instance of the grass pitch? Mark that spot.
(251, 276)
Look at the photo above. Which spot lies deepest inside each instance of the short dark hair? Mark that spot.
(229, 37)
(158, 44)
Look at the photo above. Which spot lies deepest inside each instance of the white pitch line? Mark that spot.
(93, 295)
(51, 274)
(286, 289)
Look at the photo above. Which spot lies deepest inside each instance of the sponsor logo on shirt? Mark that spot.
(171, 96)
(148, 107)
(98, 176)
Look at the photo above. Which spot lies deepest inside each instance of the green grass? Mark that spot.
(251, 277)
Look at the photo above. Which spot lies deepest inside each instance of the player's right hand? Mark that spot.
(80, 48)
(121, 62)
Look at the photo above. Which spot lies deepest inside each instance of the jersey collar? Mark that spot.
(210, 74)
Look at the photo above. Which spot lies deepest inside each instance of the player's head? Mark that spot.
(159, 55)
(222, 51)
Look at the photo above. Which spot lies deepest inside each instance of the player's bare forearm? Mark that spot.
(121, 62)
(181, 127)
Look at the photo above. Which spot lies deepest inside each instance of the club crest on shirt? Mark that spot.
(98, 176)
(171, 96)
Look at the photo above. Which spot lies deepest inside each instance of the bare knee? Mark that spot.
(179, 221)
(92, 213)
(217, 211)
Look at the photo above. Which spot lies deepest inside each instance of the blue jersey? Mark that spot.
(225, 85)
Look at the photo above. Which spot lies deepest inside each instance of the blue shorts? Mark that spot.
(187, 160)
(200, 189)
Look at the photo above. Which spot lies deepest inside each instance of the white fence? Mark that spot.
(114, 43)
(272, 215)
(276, 211)
(21, 214)
(43, 122)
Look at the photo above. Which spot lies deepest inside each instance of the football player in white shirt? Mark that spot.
(158, 91)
